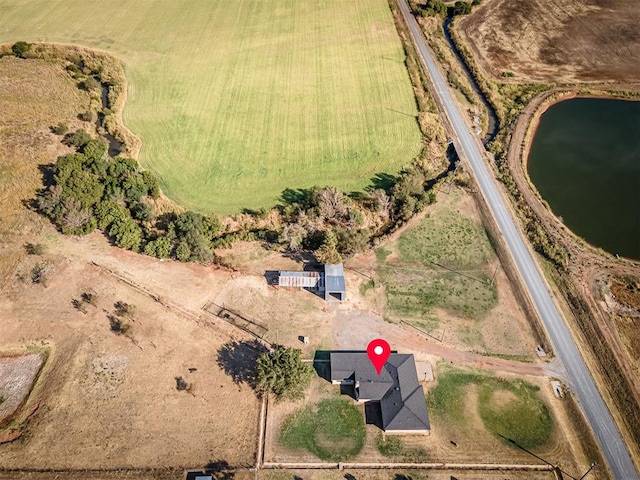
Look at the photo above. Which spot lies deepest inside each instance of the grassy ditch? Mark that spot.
(332, 430)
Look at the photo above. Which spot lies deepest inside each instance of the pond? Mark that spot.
(585, 162)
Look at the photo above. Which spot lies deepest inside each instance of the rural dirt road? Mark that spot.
(355, 329)
(581, 381)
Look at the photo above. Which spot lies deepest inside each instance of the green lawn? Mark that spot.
(509, 408)
(448, 238)
(237, 100)
(332, 429)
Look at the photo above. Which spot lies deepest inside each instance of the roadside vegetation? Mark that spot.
(332, 430)
(508, 100)
(507, 408)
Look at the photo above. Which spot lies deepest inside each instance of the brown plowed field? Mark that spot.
(556, 40)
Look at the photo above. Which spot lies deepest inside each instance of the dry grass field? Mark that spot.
(34, 95)
(236, 101)
(556, 40)
(109, 400)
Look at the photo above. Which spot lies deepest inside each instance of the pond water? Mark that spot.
(585, 162)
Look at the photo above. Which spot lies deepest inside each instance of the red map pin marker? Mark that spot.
(378, 351)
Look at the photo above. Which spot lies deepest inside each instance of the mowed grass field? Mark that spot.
(237, 100)
(511, 408)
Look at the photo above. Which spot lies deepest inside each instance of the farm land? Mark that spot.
(108, 394)
(525, 57)
(236, 101)
(556, 41)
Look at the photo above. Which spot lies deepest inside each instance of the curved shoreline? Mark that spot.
(529, 119)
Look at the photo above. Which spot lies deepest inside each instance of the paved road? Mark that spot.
(582, 383)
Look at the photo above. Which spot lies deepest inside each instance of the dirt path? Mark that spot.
(355, 329)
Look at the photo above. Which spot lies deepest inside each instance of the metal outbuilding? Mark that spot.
(325, 283)
(334, 285)
(299, 279)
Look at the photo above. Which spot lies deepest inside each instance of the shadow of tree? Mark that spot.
(383, 181)
(238, 360)
(217, 469)
(301, 196)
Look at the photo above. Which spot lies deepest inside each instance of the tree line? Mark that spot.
(432, 8)
(90, 190)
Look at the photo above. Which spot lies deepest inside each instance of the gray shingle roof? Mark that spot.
(401, 397)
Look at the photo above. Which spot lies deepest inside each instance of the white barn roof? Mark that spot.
(298, 279)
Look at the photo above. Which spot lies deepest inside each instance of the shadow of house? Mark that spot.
(394, 400)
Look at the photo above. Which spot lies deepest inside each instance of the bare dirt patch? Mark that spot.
(556, 40)
(17, 375)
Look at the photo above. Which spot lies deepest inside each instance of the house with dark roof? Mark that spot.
(401, 401)
(327, 283)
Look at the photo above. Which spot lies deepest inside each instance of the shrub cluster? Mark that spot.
(92, 190)
(334, 225)
(437, 8)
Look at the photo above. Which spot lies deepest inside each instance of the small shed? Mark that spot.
(334, 285)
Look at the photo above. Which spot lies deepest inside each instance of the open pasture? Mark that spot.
(442, 261)
(236, 101)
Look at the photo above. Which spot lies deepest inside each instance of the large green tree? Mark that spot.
(283, 373)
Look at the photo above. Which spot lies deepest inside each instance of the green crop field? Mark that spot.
(237, 100)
